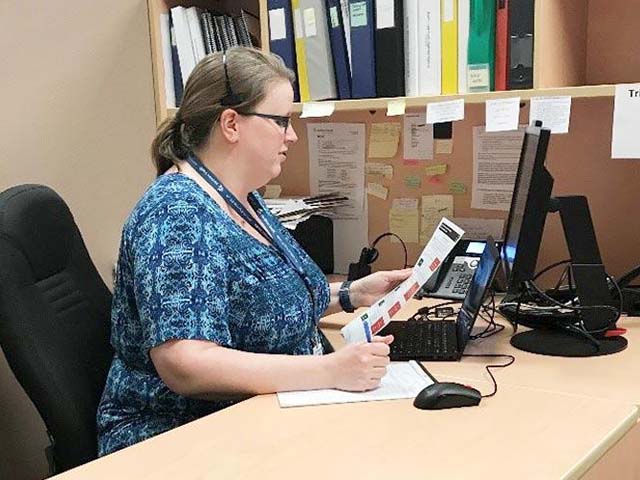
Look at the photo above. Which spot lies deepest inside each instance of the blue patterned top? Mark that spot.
(186, 270)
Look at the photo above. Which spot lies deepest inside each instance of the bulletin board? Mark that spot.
(580, 162)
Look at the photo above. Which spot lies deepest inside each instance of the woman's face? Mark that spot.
(267, 142)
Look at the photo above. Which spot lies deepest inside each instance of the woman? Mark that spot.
(214, 300)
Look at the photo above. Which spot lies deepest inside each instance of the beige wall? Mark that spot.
(77, 115)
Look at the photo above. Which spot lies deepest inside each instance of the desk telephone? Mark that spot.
(452, 278)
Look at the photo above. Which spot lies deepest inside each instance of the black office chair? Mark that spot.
(54, 319)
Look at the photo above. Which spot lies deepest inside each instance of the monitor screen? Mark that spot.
(528, 212)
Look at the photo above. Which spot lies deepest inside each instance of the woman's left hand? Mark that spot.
(365, 291)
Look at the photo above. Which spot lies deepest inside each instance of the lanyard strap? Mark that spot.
(270, 234)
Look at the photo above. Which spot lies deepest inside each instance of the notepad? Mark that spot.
(403, 380)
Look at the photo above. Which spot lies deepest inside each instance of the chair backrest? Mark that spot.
(54, 318)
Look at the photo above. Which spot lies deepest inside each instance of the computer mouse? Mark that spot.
(446, 395)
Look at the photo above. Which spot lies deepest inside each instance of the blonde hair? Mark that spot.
(250, 73)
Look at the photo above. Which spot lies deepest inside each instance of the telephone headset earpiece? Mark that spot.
(230, 98)
(368, 255)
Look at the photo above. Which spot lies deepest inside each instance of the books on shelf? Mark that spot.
(341, 49)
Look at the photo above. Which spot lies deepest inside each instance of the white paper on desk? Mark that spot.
(625, 141)
(375, 318)
(403, 380)
(553, 112)
(495, 164)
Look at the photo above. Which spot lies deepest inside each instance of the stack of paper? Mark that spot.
(291, 211)
(403, 380)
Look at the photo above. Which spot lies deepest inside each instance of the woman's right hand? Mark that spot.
(360, 366)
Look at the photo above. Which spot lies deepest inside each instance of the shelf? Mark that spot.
(381, 103)
(470, 98)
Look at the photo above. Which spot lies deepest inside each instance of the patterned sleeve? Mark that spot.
(180, 277)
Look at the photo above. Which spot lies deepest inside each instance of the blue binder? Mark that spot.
(363, 52)
(339, 49)
(285, 47)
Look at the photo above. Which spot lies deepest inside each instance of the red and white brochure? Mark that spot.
(377, 316)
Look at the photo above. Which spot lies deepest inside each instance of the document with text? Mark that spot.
(403, 380)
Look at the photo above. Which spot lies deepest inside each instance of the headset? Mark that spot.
(368, 255)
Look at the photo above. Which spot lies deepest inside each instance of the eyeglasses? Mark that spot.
(282, 121)
(231, 99)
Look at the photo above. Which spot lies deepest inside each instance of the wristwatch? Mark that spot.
(344, 298)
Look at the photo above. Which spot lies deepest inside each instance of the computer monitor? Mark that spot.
(528, 211)
(579, 331)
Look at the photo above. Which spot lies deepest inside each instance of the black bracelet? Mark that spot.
(344, 298)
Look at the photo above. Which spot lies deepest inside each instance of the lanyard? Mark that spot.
(271, 234)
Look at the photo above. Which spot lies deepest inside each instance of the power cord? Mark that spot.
(488, 368)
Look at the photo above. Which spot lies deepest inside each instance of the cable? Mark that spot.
(511, 358)
(404, 246)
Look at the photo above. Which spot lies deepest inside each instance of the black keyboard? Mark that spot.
(420, 338)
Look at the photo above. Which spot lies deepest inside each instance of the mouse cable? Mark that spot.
(489, 367)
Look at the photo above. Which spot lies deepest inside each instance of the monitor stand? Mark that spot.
(591, 289)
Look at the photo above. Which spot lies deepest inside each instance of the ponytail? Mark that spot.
(167, 149)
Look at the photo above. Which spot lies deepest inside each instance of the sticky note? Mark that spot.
(377, 190)
(439, 169)
(412, 181)
(317, 109)
(457, 187)
(384, 139)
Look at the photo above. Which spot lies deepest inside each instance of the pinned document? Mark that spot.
(375, 318)
(418, 138)
(625, 141)
(317, 109)
(396, 107)
(502, 114)
(448, 111)
(554, 112)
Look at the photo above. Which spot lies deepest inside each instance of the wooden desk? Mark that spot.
(612, 377)
(523, 433)
(542, 427)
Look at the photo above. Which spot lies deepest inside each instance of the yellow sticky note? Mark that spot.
(444, 145)
(434, 207)
(439, 169)
(377, 190)
(396, 107)
(373, 168)
(383, 140)
(404, 223)
(457, 187)
(272, 191)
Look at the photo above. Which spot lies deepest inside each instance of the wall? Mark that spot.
(78, 115)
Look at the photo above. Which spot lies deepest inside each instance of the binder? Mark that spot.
(175, 62)
(322, 77)
(165, 35)
(197, 39)
(464, 19)
(430, 47)
(411, 36)
(482, 40)
(389, 48)
(301, 54)
(186, 54)
(502, 43)
(363, 56)
(449, 22)
(281, 39)
(339, 49)
(521, 23)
